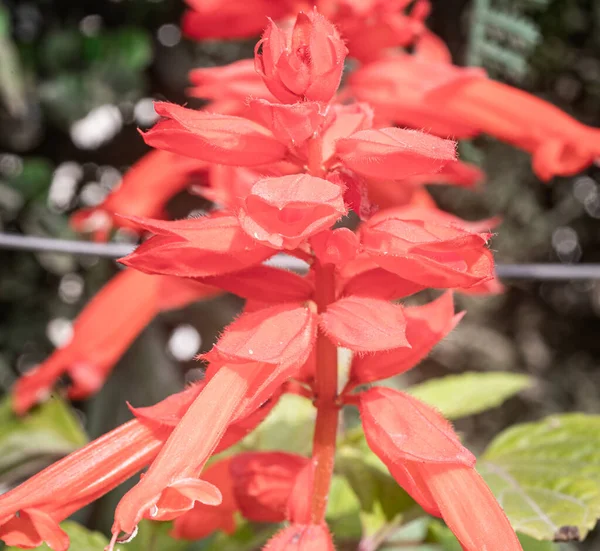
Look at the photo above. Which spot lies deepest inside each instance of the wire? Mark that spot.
(540, 272)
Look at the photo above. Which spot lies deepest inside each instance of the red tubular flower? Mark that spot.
(395, 153)
(172, 485)
(285, 211)
(203, 520)
(434, 252)
(425, 327)
(427, 459)
(301, 537)
(263, 482)
(146, 188)
(213, 137)
(196, 247)
(451, 101)
(88, 473)
(209, 19)
(302, 63)
(103, 332)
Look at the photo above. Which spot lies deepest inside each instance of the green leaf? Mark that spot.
(457, 396)
(343, 510)
(154, 536)
(81, 538)
(546, 475)
(48, 432)
(440, 533)
(289, 427)
(381, 499)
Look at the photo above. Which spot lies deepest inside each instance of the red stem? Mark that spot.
(326, 380)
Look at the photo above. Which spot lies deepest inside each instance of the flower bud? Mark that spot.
(304, 62)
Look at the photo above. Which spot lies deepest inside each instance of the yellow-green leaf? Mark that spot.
(457, 396)
(546, 475)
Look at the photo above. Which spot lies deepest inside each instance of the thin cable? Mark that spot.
(540, 272)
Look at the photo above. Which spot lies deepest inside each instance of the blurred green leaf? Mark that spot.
(34, 178)
(50, 431)
(288, 427)
(343, 510)
(457, 396)
(546, 475)
(81, 538)
(128, 48)
(440, 533)
(381, 499)
(154, 536)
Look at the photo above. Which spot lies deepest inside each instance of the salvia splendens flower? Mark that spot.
(300, 161)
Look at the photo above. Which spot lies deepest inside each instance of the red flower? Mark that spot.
(145, 190)
(230, 18)
(103, 331)
(30, 513)
(285, 211)
(213, 137)
(263, 482)
(196, 247)
(427, 459)
(203, 520)
(302, 63)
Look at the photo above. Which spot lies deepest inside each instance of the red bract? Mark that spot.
(263, 482)
(433, 252)
(196, 247)
(103, 332)
(285, 211)
(425, 327)
(213, 137)
(282, 334)
(394, 153)
(365, 324)
(427, 459)
(302, 63)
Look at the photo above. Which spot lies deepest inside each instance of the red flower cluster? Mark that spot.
(294, 168)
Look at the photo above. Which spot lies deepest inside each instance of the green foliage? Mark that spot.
(441, 534)
(457, 396)
(82, 539)
(50, 431)
(502, 36)
(546, 475)
(288, 427)
(154, 536)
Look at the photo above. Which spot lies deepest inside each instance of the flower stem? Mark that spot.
(326, 380)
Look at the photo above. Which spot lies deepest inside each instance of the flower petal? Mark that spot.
(263, 482)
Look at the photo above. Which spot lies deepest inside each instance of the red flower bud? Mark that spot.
(304, 62)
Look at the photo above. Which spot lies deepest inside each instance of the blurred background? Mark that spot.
(77, 78)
